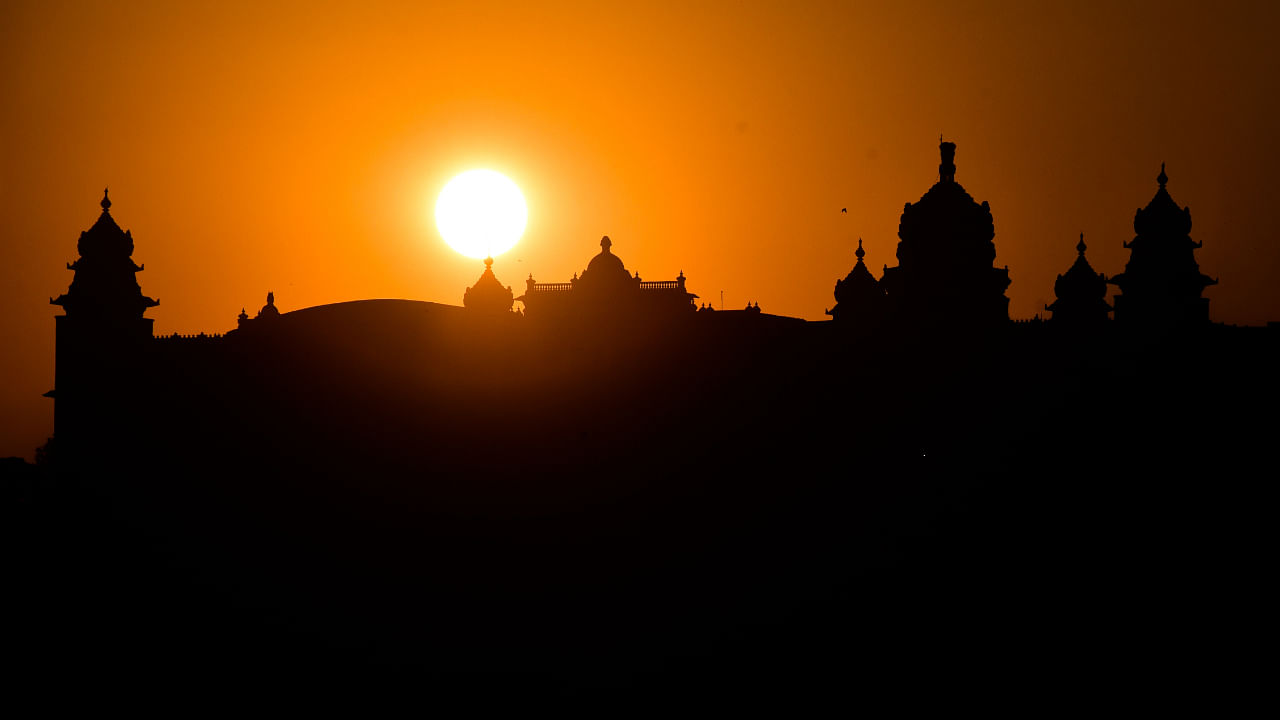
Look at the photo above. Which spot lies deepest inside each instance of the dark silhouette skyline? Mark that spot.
(620, 487)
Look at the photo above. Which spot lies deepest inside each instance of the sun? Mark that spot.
(481, 213)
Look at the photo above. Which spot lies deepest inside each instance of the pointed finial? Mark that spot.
(860, 253)
(106, 201)
(1162, 179)
(1080, 246)
(488, 262)
(605, 243)
(271, 298)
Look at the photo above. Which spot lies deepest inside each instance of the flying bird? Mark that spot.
(844, 211)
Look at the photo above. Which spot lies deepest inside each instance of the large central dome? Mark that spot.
(945, 256)
(605, 268)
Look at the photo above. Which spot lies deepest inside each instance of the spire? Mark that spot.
(106, 201)
(1162, 178)
(1080, 246)
(605, 244)
(859, 253)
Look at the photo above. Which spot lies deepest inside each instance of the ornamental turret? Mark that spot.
(488, 295)
(945, 276)
(859, 296)
(1161, 285)
(1081, 293)
(105, 290)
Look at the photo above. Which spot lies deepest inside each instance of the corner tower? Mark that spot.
(101, 336)
(1162, 283)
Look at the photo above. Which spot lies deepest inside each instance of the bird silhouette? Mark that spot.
(844, 211)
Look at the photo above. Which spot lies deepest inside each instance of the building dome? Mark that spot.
(1081, 292)
(859, 296)
(947, 227)
(606, 265)
(945, 275)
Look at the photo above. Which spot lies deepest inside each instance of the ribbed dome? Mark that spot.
(947, 227)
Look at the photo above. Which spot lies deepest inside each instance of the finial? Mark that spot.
(947, 168)
(271, 298)
(859, 253)
(605, 243)
(1080, 246)
(1162, 179)
(488, 262)
(106, 201)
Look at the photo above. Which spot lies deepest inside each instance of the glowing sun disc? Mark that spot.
(481, 213)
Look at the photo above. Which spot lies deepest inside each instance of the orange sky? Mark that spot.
(299, 147)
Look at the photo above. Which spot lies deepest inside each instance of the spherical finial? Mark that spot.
(605, 243)
(106, 201)
(488, 262)
(1162, 179)
(860, 253)
(1080, 246)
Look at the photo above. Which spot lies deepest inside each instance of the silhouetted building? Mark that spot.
(860, 298)
(1161, 286)
(945, 276)
(488, 295)
(265, 317)
(101, 336)
(606, 288)
(1081, 293)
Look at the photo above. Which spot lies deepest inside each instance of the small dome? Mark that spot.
(270, 309)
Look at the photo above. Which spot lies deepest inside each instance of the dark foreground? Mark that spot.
(1037, 516)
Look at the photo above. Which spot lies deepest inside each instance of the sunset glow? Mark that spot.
(481, 213)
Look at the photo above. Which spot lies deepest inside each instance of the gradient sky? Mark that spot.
(298, 147)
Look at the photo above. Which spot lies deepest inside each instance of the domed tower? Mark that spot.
(488, 295)
(1161, 285)
(104, 290)
(945, 275)
(859, 296)
(1081, 293)
(101, 341)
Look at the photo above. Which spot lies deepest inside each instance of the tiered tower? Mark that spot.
(101, 337)
(1161, 286)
